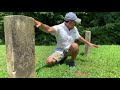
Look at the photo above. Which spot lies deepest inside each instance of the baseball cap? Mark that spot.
(72, 16)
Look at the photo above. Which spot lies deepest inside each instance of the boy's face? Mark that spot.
(72, 23)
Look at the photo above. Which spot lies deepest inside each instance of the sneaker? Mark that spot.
(63, 60)
(72, 65)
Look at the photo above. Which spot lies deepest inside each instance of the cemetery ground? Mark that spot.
(102, 62)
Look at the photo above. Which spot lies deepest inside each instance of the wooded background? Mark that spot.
(104, 26)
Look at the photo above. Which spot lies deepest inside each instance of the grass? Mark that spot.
(3, 66)
(102, 62)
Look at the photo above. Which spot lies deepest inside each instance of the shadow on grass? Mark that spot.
(38, 69)
(45, 66)
(49, 66)
(82, 53)
(81, 60)
(66, 62)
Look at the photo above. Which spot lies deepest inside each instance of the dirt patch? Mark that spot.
(81, 73)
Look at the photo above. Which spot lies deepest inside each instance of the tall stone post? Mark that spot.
(20, 46)
(88, 38)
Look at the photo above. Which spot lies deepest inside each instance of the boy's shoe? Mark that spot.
(72, 65)
(63, 60)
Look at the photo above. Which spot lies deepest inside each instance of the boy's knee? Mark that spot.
(74, 46)
(50, 61)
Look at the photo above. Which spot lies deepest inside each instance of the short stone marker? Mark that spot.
(88, 38)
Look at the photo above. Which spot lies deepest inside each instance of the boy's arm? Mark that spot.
(43, 27)
(85, 41)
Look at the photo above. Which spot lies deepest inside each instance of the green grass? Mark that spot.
(102, 62)
(3, 66)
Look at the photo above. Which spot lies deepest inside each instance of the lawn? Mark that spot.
(102, 62)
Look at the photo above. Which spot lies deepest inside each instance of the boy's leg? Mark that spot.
(74, 49)
(64, 58)
(54, 58)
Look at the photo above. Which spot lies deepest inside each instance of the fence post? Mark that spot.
(20, 46)
(88, 38)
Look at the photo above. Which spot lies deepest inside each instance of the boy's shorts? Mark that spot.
(57, 56)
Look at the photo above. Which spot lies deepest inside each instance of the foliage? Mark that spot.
(102, 21)
(108, 34)
(42, 38)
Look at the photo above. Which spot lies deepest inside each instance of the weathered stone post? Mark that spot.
(20, 46)
(88, 38)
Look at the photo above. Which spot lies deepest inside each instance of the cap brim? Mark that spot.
(78, 20)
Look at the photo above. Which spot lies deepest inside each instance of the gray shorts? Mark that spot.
(58, 57)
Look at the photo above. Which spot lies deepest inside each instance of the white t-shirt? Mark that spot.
(64, 37)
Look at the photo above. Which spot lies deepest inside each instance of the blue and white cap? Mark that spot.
(72, 16)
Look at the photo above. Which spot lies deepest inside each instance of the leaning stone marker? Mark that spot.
(20, 46)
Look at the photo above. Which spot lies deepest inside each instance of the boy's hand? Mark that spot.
(93, 45)
(38, 24)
